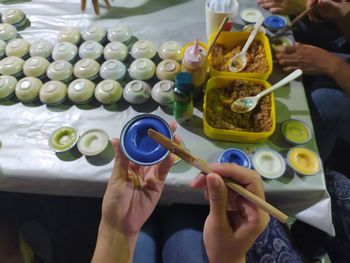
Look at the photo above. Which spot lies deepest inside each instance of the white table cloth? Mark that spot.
(28, 165)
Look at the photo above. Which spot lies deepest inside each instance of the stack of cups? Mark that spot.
(216, 11)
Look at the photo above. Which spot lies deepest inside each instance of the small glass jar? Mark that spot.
(142, 69)
(137, 92)
(65, 51)
(14, 17)
(121, 33)
(162, 92)
(81, 91)
(91, 49)
(7, 87)
(115, 50)
(95, 33)
(27, 89)
(41, 48)
(167, 69)
(108, 91)
(60, 70)
(69, 34)
(12, 66)
(137, 146)
(18, 48)
(86, 68)
(2, 49)
(170, 50)
(36, 67)
(113, 69)
(53, 92)
(143, 49)
(7, 32)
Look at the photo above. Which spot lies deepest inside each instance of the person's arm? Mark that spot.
(285, 7)
(315, 61)
(132, 194)
(234, 223)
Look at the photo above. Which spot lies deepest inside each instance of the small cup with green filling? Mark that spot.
(63, 139)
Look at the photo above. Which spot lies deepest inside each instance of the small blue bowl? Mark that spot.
(137, 146)
(237, 156)
(275, 22)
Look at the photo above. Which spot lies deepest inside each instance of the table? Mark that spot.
(28, 165)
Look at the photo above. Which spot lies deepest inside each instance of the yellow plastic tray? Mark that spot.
(231, 39)
(230, 135)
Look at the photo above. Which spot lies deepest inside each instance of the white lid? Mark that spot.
(91, 49)
(7, 32)
(108, 91)
(250, 15)
(170, 50)
(162, 92)
(86, 68)
(41, 48)
(143, 49)
(7, 86)
(35, 67)
(121, 33)
(93, 142)
(142, 69)
(11, 65)
(64, 51)
(115, 50)
(2, 48)
(13, 16)
(69, 34)
(60, 70)
(137, 92)
(112, 69)
(53, 92)
(81, 90)
(27, 89)
(94, 33)
(167, 69)
(17, 48)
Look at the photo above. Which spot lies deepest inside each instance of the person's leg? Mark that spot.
(273, 245)
(182, 227)
(146, 250)
(330, 109)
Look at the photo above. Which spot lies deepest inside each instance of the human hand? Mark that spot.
(95, 4)
(286, 7)
(333, 11)
(234, 223)
(310, 59)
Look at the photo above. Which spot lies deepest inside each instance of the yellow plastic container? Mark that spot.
(232, 39)
(231, 135)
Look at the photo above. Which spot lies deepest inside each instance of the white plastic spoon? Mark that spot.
(239, 61)
(246, 104)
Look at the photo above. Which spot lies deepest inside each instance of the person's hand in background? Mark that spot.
(285, 7)
(234, 223)
(96, 5)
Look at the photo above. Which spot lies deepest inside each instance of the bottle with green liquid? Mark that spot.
(183, 103)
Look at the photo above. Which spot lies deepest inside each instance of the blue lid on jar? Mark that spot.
(137, 146)
(183, 81)
(237, 156)
(275, 22)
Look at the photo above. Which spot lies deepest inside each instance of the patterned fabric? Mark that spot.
(273, 246)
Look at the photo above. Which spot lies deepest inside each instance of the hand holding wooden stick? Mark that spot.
(95, 4)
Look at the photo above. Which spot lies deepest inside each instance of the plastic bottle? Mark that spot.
(183, 103)
(195, 63)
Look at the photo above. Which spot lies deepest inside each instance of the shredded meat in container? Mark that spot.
(219, 114)
(256, 57)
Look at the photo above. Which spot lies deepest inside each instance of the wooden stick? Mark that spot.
(203, 166)
(224, 21)
(108, 5)
(96, 6)
(83, 5)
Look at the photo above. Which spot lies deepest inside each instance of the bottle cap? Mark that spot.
(193, 57)
(183, 81)
(53, 92)
(41, 48)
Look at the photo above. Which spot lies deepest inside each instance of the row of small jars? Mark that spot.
(82, 91)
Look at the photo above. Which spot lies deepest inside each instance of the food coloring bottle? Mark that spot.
(183, 103)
